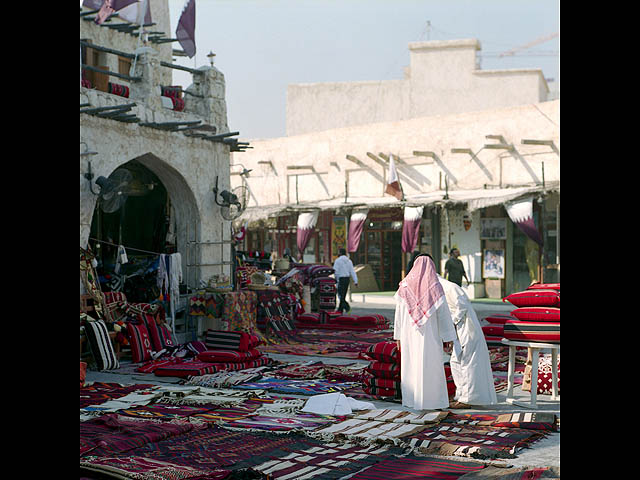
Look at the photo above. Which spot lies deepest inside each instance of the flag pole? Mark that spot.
(141, 17)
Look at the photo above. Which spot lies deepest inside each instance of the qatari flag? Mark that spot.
(186, 30)
(411, 228)
(108, 8)
(306, 223)
(393, 182)
(521, 213)
(356, 225)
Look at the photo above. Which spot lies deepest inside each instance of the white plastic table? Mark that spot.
(535, 353)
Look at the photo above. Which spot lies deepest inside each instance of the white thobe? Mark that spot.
(423, 382)
(471, 371)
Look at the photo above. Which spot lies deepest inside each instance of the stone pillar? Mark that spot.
(210, 103)
(146, 90)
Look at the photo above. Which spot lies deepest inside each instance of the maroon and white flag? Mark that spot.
(107, 8)
(393, 182)
(186, 30)
(411, 228)
(306, 224)
(356, 225)
(521, 213)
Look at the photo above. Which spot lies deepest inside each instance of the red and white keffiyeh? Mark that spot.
(421, 291)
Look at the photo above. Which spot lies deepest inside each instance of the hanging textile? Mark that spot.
(411, 227)
(306, 223)
(521, 213)
(89, 279)
(356, 225)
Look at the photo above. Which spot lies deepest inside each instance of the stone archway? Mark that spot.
(182, 200)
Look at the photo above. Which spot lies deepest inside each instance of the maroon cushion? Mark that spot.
(499, 318)
(493, 330)
(535, 298)
(140, 342)
(384, 352)
(538, 314)
(538, 286)
(228, 356)
(308, 318)
(391, 383)
(382, 392)
(546, 332)
(384, 369)
(186, 369)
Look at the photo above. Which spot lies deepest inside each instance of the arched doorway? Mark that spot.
(155, 204)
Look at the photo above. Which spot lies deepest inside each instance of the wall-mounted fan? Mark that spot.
(232, 203)
(115, 189)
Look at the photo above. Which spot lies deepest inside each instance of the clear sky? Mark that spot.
(262, 46)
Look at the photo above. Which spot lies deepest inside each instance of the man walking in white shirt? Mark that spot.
(344, 272)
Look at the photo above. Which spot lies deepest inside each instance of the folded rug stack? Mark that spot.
(224, 350)
(374, 321)
(383, 379)
(537, 314)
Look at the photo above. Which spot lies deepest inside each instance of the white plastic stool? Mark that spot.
(535, 352)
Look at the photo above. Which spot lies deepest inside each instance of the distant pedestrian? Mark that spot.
(454, 269)
(344, 272)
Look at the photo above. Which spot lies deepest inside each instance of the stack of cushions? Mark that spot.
(323, 287)
(537, 314)
(383, 379)
(222, 350)
(232, 350)
(175, 94)
(374, 321)
(147, 331)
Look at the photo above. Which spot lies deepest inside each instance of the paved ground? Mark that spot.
(545, 453)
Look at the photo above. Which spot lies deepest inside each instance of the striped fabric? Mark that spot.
(358, 429)
(197, 368)
(387, 393)
(413, 467)
(386, 383)
(329, 461)
(548, 332)
(100, 345)
(140, 342)
(384, 369)
(229, 356)
(384, 352)
(223, 340)
(400, 416)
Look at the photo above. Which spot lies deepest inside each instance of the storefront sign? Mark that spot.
(338, 236)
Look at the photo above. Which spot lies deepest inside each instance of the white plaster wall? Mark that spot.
(438, 134)
(442, 79)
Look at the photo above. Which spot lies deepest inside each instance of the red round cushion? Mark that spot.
(535, 298)
(544, 314)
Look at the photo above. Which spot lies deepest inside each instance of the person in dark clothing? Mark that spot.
(454, 269)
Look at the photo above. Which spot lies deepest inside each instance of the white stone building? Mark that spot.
(465, 142)
(176, 150)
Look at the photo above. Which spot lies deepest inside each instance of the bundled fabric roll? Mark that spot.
(237, 341)
(383, 379)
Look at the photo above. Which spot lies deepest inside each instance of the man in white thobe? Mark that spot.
(470, 366)
(422, 325)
